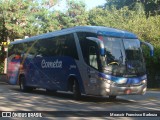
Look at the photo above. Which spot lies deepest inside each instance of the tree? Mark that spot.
(14, 18)
(150, 6)
(19, 18)
(75, 15)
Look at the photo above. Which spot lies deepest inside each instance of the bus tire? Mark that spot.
(76, 90)
(112, 97)
(22, 85)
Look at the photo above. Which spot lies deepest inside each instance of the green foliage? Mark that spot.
(75, 15)
(1, 66)
(150, 6)
(19, 18)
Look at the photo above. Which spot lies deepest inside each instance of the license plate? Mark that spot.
(128, 91)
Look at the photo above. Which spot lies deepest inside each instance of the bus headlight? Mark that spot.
(106, 80)
(107, 85)
(144, 81)
(109, 81)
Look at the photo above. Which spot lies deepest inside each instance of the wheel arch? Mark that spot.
(71, 79)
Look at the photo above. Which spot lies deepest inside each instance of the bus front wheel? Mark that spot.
(76, 90)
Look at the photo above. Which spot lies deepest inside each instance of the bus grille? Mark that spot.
(127, 85)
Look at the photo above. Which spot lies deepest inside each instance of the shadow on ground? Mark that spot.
(84, 98)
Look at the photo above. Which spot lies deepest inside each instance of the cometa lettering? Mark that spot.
(51, 64)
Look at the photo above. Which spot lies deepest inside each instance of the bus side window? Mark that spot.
(70, 48)
(84, 43)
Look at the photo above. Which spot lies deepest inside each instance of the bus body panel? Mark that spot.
(90, 82)
(53, 72)
(86, 72)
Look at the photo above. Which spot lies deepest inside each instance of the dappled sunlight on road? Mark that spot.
(13, 100)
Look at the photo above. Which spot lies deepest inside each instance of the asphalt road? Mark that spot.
(11, 99)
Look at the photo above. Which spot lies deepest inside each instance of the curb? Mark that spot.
(153, 89)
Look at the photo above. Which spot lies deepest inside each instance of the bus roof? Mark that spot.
(100, 30)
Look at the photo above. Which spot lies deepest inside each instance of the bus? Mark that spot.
(89, 60)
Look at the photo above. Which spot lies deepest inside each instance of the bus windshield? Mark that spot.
(123, 57)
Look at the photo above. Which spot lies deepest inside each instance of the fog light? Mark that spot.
(108, 85)
(107, 90)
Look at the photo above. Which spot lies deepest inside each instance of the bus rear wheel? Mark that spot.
(76, 90)
(22, 85)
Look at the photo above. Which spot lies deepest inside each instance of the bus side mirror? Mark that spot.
(150, 46)
(99, 43)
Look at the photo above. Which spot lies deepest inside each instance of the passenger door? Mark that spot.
(93, 67)
(89, 63)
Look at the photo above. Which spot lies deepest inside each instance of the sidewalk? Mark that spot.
(153, 89)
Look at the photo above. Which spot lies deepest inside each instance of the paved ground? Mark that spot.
(11, 99)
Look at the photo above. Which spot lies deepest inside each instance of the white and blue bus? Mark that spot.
(90, 60)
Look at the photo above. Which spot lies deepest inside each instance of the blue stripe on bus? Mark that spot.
(122, 34)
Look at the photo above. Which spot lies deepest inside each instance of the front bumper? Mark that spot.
(112, 89)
